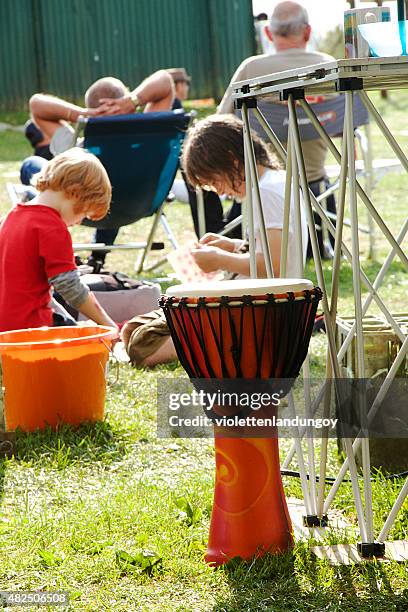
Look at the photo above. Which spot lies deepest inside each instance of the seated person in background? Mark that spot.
(213, 210)
(72, 186)
(106, 96)
(213, 156)
(36, 138)
(181, 82)
(290, 31)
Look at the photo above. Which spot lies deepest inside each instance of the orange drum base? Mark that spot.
(260, 335)
(250, 516)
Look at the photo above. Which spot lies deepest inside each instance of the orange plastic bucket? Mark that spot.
(54, 375)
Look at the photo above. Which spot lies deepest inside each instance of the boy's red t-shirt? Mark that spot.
(35, 245)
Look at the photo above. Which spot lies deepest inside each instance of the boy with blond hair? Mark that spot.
(36, 248)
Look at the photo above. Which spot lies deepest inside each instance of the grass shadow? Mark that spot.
(365, 586)
(267, 583)
(298, 582)
(66, 445)
(3, 469)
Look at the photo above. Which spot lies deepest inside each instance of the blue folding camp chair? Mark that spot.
(141, 154)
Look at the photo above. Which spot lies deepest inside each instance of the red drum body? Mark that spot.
(262, 333)
(263, 336)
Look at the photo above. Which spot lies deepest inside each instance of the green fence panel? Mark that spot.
(62, 46)
(232, 38)
(18, 68)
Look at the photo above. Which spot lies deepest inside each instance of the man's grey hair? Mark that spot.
(106, 87)
(288, 19)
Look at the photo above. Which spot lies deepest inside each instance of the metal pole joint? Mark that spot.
(298, 93)
(351, 84)
(312, 520)
(249, 102)
(368, 550)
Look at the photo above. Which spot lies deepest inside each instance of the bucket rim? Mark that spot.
(109, 334)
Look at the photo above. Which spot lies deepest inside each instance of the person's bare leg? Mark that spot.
(165, 353)
(48, 129)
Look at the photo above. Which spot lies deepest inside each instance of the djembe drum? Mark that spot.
(251, 329)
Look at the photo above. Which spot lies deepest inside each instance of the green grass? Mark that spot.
(14, 118)
(98, 511)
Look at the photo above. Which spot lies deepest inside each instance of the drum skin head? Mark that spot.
(238, 288)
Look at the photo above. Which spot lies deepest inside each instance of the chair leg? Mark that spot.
(168, 230)
(146, 250)
(172, 239)
(159, 216)
(154, 265)
(231, 225)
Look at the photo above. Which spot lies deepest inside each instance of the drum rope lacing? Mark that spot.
(224, 305)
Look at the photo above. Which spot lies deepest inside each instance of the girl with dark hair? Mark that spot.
(213, 158)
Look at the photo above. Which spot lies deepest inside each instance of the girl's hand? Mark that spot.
(215, 240)
(207, 257)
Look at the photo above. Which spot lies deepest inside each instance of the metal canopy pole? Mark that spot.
(296, 201)
(280, 149)
(250, 210)
(256, 193)
(291, 171)
(312, 230)
(384, 129)
(371, 209)
(321, 281)
(302, 430)
(393, 513)
(360, 360)
(367, 154)
(299, 456)
(286, 211)
(287, 160)
(306, 364)
(200, 211)
(333, 312)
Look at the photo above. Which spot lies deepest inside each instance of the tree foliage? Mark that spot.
(333, 43)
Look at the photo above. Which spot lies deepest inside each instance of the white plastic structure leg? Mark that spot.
(200, 212)
(249, 209)
(256, 195)
(366, 200)
(394, 511)
(359, 339)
